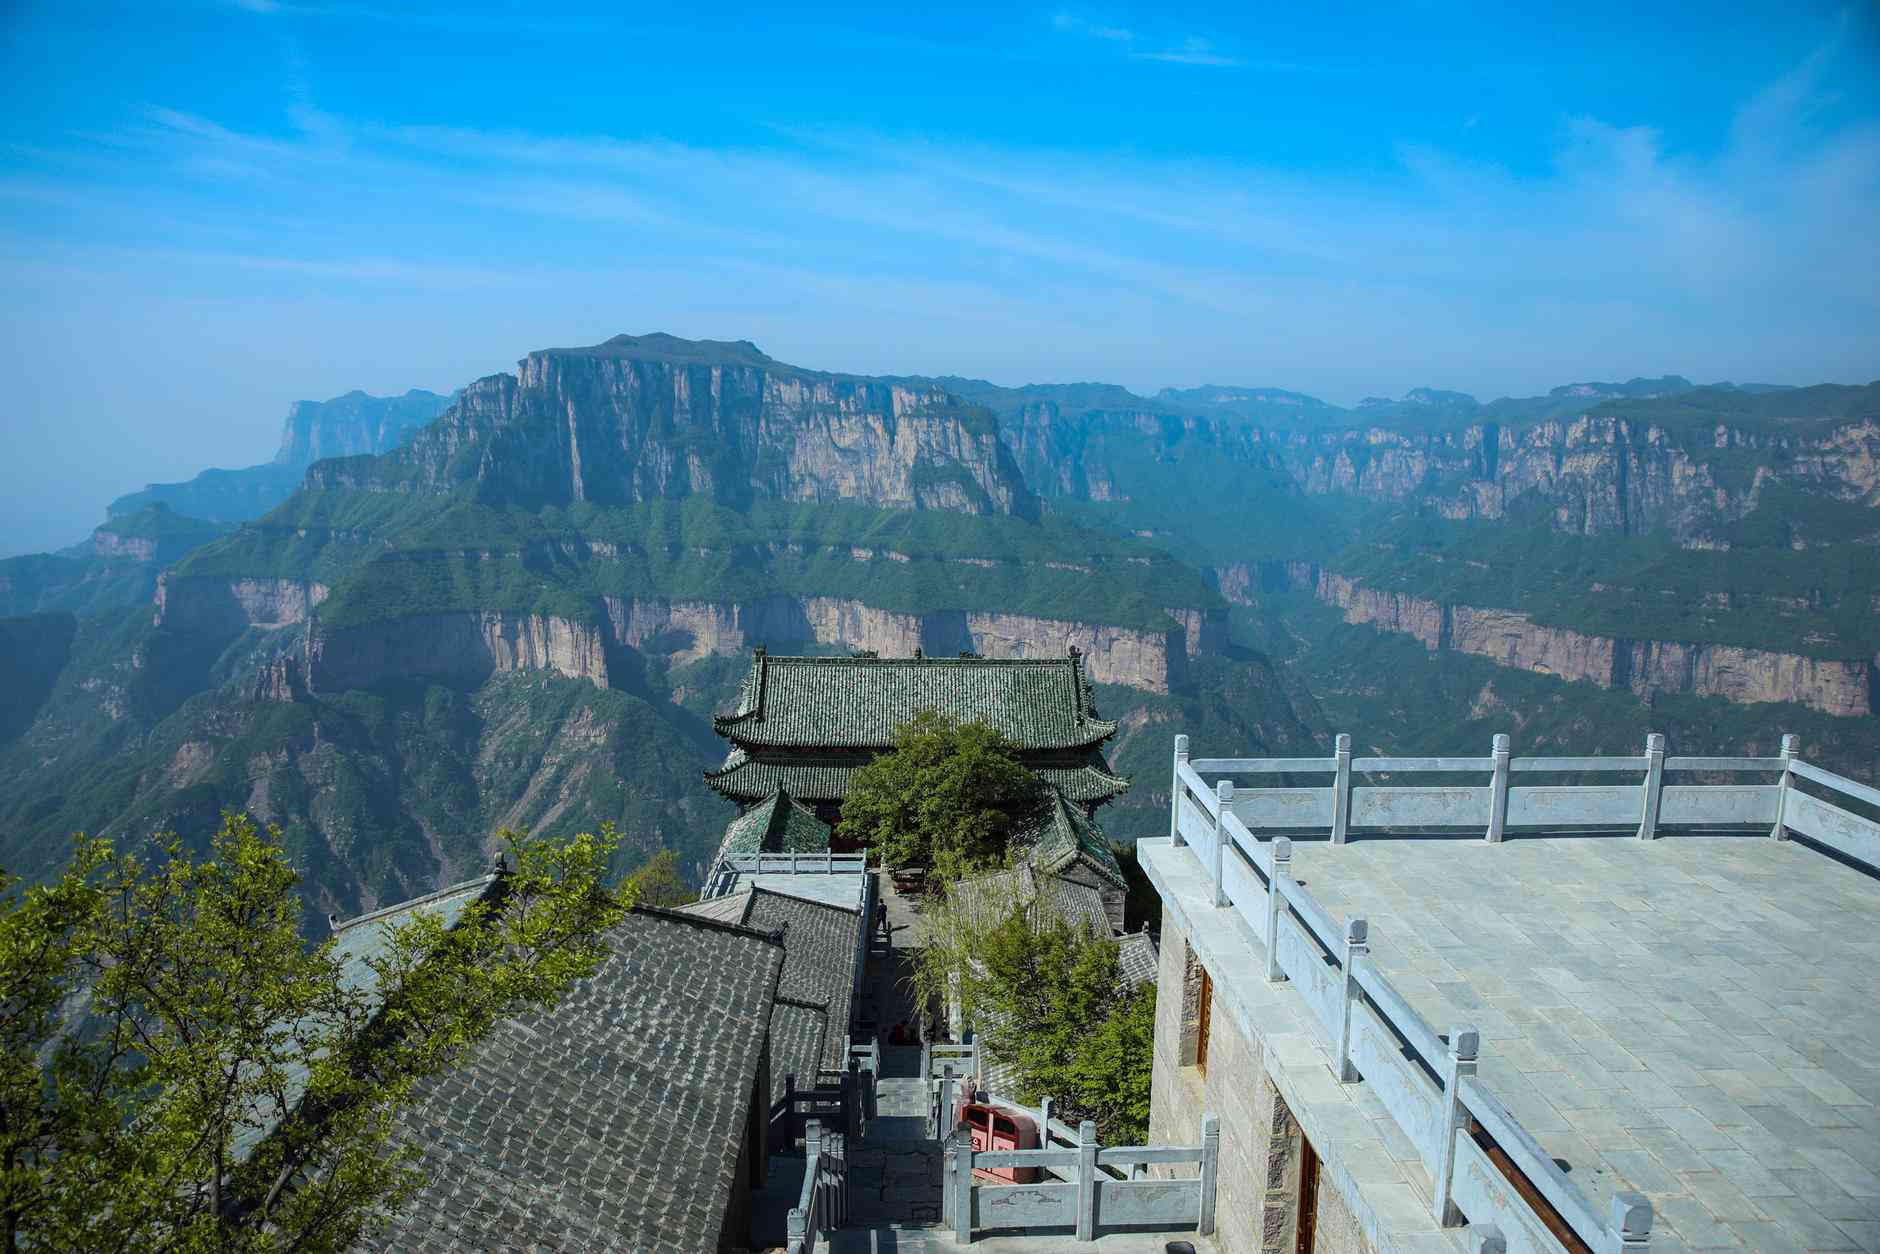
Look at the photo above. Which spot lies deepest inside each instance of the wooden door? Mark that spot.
(1201, 1028)
(1308, 1196)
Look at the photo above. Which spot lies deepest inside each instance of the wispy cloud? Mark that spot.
(1188, 50)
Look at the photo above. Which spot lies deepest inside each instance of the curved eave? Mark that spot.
(746, 731)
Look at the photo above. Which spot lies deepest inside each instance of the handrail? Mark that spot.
(1209, 802)
(1370, 766)
(1315, 917)
(1725, 764)
(1265, 766)
(1535, 1163)
(1579, 766)
(1397, 1012)
(1840, 783)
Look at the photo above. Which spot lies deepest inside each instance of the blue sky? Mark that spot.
(210, 210)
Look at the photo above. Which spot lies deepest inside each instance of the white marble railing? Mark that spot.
(1428, 1082)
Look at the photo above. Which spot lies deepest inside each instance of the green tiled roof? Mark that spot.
(746, 779)
(1068, 835)
(861, 702)
(777, 824)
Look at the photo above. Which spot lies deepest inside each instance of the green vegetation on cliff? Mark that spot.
(387, 556)
(1817, 601)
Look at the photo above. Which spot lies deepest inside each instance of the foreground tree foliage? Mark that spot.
(949, 797)
(179, 1070)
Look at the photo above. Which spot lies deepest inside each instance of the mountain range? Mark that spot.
(433, 616)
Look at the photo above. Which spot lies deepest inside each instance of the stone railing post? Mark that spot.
(1276, 902)
(1498, 791)
(796, 1231)
(1486, 1239)
(818, 1217)
(1341, 789)
(963, 1186)
(1356, 946)
(1210, 1171)
(1087, 1181)
(1224, 794)
(1654, 785)
(1464, 1047)
(1631, 1223)
(949, 1164)
(1175, 793)
(1790, 744)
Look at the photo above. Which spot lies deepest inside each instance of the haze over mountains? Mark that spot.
(433, 616)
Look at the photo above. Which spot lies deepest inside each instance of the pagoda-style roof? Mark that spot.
(862, 702)
(746, 778)
(777, 824)
(1067, 836)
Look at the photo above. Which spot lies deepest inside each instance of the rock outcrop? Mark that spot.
(223, 606)
(688, 630)
(653, 417)
(467, 647)
(1647, 667)
(1599, 473)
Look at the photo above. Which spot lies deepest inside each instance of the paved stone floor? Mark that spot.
(894, 1174)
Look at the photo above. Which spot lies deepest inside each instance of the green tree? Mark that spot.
(1055, 1010)
(658, 883)
(1047, 998)
(181, 1071)
(949, 796)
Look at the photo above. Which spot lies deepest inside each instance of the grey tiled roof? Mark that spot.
(820, 942)
(612, 1122)
(745, 778)
(1136, 958)
(357, 944)
(861, 702)
(986, 897)
(1066, 836)
(777, 824)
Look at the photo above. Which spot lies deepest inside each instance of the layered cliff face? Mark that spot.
(1645, 667)
(470, 646)
(649, 418)
(1599, 473)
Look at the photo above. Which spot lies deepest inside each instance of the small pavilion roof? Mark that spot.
(1067, 836)
(777, 824)
(862, 702)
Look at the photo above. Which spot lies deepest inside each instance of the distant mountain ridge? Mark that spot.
(343, 426)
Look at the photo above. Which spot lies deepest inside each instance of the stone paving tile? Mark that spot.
(1695, 1018)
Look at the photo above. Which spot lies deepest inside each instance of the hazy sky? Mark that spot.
(208, 211)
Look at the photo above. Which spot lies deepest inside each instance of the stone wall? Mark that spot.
(1232, 1089)
(1258, 1187)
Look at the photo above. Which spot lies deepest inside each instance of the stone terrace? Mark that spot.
(1696, 1018)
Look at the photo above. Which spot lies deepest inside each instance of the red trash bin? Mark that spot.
(996, 1129)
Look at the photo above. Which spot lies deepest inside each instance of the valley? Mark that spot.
(431, 617)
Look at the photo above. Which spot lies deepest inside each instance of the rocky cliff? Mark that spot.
(1646, 667)
(1624, 468)
(470, 646)
(644, 418)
